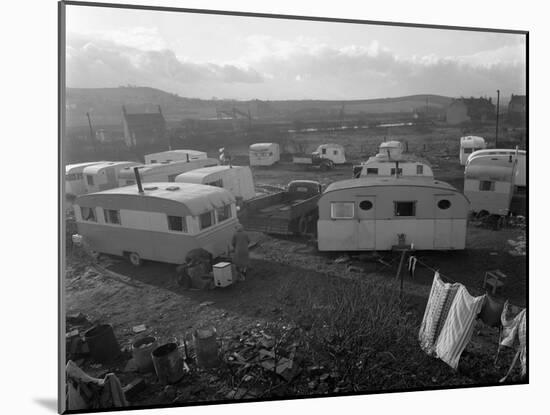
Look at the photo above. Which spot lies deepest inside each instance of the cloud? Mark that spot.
(101, 62)
(271, 68)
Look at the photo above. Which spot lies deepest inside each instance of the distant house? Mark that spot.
(143, 128)
(517, 108)
(470, 109)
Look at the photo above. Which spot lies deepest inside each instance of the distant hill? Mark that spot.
(105, 106)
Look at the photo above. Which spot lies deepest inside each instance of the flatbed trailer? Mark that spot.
(292, 211)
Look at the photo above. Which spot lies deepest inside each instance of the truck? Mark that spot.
(325, 157)
(292, 211)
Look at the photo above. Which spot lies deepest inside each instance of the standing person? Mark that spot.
(240, 251)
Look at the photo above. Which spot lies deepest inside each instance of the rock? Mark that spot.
(206, 303)
(140, 328)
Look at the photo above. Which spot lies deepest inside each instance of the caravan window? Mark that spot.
(372, 170)
(342, 210)
(72, 177)
(335, 152)
(324, 151)
(419, 169)
(399, 171)
(177, 223)
(486, 185)
(404, 208)
(467, 150)
(223, 213)
(112, 216)
(206, 220)
(90, 179)
(217, 183)
(88, 214)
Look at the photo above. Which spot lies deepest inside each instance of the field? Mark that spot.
(336, 323)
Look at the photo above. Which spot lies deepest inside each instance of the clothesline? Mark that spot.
(449, 279)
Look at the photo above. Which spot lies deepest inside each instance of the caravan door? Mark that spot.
(366, 229)
(443, 221)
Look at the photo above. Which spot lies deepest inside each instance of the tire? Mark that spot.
(135, 259)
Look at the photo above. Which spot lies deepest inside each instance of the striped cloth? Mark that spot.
(459, 325)
(522, 334)
(437, 308)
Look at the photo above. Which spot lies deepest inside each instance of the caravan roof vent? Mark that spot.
(150, 188)
(173, 188)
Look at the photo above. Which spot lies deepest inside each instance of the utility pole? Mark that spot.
(496, 130)
(92, 138)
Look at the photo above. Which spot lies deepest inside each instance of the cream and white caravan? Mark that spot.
(162, 172)
(368, 214)
(333, 152)
(74, 177)
(391, 149)
(237, 179)
(162, 223)
(104, 176)
(406, 165)
(507, 156)
(175, 155)
(468, 145)
(489, 184)
(264, 154)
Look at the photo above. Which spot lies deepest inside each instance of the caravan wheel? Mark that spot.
(302, 225)
(135, 259)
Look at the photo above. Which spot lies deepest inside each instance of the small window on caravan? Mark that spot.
(177, 223)
(486, 185)
(90, 179)
(88, 214)
(324, 151)
(112, 216)
(365, 205)
(467, 150)
(342, 210)
(404, 208)
(372, 171)
(217, 183)
(444, 204)
(399, 171)
(335, 152)
(223, 213)
(419, 169)
(206, 220)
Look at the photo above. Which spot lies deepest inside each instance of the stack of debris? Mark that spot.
(519, 246)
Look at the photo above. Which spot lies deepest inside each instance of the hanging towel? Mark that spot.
(457, 330)
(514, 335)
(491, 312)
(437, 308)
(412, 265)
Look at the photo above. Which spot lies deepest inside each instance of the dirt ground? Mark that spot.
(288, 300)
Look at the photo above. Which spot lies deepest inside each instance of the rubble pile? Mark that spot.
(519, 246)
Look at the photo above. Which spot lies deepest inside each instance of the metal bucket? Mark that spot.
(141, 352)
(102, 343)
(168, 363)
(206, 347)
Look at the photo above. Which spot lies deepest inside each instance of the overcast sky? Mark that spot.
(204, 56)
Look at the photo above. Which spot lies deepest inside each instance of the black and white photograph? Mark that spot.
(259, 207)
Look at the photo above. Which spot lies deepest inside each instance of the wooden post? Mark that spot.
(403, 249)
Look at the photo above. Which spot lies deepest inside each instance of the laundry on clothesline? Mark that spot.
(513, 335)
(459, 325)
(439, 304)
(412, 265)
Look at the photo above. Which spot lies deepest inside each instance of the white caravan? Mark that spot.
(333, 152)
(175, 155)
(237, 179)
(104, 176)
(162, 172)
(468, 145)
(74, 177)
(507, 156)
(264, 154)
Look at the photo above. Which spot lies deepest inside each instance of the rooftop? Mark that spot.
(364, 182)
